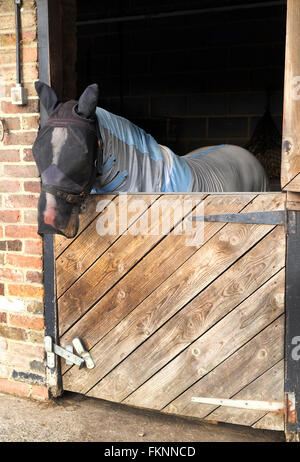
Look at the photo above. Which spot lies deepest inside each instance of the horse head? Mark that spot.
(66, 152)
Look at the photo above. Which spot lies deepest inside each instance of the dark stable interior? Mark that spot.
(192, 73)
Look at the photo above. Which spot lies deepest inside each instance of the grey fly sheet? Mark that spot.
(85, 149)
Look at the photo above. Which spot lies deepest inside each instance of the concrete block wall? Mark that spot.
(190, 81)
(22, 366)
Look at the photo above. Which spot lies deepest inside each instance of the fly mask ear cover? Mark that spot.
(66, 151)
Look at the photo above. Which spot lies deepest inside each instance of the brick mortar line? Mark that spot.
(33, 44)
(22, 130)
(23, 11)
(7, 99)
(15, 297)
(22, 254)
(16, 146)
(8, 295)
(27, 193)
(30, 98)
(8, 324)
(21, 342)
(30, 81)
(20, 223)
(24, 29)
(23, 65)
(27, 315)
(26, 283)
(26, 64)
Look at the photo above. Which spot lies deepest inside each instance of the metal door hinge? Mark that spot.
(291, 411)
(274, 217)
(52, 349)
(271, 406)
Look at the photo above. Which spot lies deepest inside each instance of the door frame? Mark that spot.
(50, 71)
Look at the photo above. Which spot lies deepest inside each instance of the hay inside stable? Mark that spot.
(265, 144)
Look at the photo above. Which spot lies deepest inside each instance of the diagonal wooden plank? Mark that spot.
(294, 184)
(203, 355)
(61, 242)
(151, 271)
(90, 245)
(184, 284)
(97, 322)
(271, 421)
(254, 269)
(147, 274)
(235, 373)
(290, 162)
(267, 387)
(118, 260)
(251, 271)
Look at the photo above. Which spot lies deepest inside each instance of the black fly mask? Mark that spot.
(66, 152)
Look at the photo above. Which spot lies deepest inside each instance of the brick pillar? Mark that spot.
(22, 367)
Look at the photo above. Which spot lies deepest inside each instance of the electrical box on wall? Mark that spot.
(19, 95)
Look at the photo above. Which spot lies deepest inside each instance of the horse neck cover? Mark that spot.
(134, 162)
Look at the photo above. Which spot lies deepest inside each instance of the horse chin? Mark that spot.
(50, 210)
(49, 216)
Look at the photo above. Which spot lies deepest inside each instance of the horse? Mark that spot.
(84, 149)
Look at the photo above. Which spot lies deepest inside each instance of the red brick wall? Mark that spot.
(22, 367)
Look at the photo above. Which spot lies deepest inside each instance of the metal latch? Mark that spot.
(67, 353)
(274, 217)
(271, 406)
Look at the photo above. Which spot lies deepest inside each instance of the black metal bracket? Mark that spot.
(50, 308)
(292, 330)
(275, 217)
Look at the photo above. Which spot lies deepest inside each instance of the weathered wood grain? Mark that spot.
(61, 242)
(203, 355)
(164, 321)
(294, 184)
(90, 245)
(114, 263)
(192, 277)
(233, 202)
(143, 278)
(146, 276)
(271, 421)
(267, 387)
(291, 119)
(227, 379)
(293, 200)
(198, 316)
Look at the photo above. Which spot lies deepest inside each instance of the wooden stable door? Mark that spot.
(165, 318)
(290, 171)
